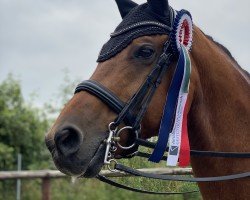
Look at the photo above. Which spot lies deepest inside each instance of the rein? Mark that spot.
(132, 113)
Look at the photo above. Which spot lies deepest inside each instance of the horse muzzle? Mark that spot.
(74, 154)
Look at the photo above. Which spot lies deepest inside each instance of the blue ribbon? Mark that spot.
(169, 111)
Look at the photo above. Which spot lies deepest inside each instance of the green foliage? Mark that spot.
(64, 94)
(86, 189)
(22, 128)
(6, 158)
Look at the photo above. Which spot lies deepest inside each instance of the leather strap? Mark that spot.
(218, 154)
(147, 155)
(141, 99)
(135, 172)
(119, 185)
(103, 93)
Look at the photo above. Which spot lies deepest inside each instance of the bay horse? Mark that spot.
(218, 102)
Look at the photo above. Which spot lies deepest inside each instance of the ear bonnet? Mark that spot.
(152, 18)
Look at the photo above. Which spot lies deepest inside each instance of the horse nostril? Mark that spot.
(68, 140)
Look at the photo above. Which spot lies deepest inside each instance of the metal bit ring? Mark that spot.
(118, 135)
(110, 163)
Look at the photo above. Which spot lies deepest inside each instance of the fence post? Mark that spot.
(18, 182)
(46, 188)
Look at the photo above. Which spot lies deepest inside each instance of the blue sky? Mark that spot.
(39, 39)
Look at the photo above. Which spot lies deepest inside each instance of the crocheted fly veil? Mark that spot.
(152, 18)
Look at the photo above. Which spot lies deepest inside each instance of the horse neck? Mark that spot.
(220, 108)
(219, 114)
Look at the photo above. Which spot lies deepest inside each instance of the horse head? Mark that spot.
(78, 138)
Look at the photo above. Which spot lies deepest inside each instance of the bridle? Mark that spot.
(131, 113)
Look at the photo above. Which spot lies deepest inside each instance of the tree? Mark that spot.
(22, 129)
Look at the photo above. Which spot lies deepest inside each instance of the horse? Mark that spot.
(218, 109)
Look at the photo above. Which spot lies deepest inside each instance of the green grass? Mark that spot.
(92, 189)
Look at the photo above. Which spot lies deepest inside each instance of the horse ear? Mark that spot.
(159, 7)
(125, 6)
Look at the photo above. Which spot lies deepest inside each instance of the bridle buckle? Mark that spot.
(113, 141)
(110, 148)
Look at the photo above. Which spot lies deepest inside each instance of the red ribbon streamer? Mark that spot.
(184, 157)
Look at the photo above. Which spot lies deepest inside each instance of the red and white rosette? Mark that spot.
(181, 41)
(182, 33)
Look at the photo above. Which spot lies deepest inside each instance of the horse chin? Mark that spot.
(96, 163)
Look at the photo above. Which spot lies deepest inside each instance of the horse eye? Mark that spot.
(144, 52)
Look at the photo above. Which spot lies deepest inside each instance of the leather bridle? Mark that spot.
(132, 113)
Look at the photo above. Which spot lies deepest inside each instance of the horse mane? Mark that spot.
(228, 53)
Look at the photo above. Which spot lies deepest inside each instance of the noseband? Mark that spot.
(131, 114)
